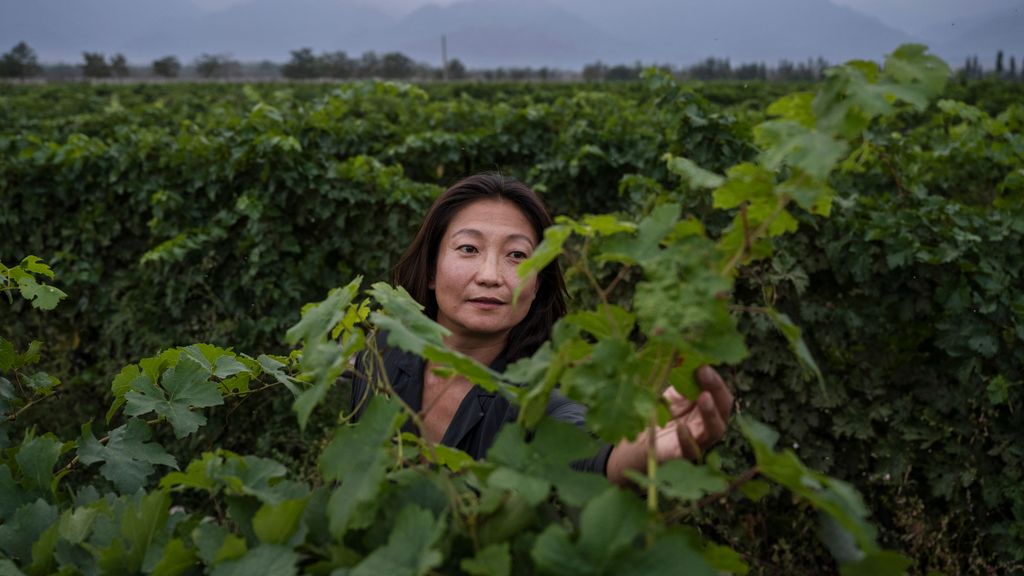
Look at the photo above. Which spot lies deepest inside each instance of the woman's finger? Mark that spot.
(677, 403)
(714, 424)
(688, 446)
(709, 380)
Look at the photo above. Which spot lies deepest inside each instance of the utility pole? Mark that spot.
(444, 57)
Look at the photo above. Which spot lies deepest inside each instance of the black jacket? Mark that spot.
(481, 414)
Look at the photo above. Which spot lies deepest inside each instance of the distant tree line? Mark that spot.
(21, 62)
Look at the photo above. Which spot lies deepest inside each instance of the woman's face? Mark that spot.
(476, 270)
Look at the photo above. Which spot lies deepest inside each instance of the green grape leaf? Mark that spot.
(215, 544)
(786, 142)
(410, 549)
(646, 244)
(128, 456)
(8, 568)
(745, 182)
(186, 385)
(12, 496)
(36, 458)
(726, 560)
(42, 296)
(24, 527)
(43, 561)
(8, 357)
(830, 495)
(693, 174)
(265, 559)
(683, 480)
(494, 560)
(411, 330)
(545, 253)
(606, 322)
(671, 554)
(794, 336)
(41, 383)
(142, 525)
(121, 385)
(356, 457)
(606, 382)
(175, 560)
(228, 366)
(798, 106)
(554, 554)
(276, 524)
(603, 225)
(451, 458)
(755, 489)
(36, 266)
(318, 319)
(75, 525)
(546, 460)
(922, 76)
(609, 524)
(324, 361)
(812, 195)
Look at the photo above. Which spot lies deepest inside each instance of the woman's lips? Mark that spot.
(486, 303)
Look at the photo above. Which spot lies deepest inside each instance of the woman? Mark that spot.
(461, 267)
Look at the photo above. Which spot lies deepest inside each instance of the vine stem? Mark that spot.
(652, 475)
(14, 416)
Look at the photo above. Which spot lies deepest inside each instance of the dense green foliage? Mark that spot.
(182, 214)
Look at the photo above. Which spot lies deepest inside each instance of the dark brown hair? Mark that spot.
(416, 267)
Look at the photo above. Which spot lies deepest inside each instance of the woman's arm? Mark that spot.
(694, 427)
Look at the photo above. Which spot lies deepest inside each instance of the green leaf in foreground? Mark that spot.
(410, 549)
(532, 468)
(411, 330)
(320, 318)
(276, 524)
(546, 253)
(358, 459)
(683, 480)
(277, 560)
(493, 560)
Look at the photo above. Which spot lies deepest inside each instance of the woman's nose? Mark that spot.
(488, 274)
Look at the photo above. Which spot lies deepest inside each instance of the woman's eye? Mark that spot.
(466, 249)
(518, 255)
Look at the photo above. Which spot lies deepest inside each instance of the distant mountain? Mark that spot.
(63, 29)
(503, 33)
(687, 30)
(556, 33)
(982, 36)
(937, 17)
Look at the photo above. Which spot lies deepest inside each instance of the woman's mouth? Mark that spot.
(486, 303)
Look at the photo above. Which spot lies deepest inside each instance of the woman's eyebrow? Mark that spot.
(478, 234)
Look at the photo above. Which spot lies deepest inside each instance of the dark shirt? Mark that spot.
(481, 414)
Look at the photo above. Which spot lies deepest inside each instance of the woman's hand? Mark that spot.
(694, 427)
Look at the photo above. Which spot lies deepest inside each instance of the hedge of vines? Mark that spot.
(212, 214)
